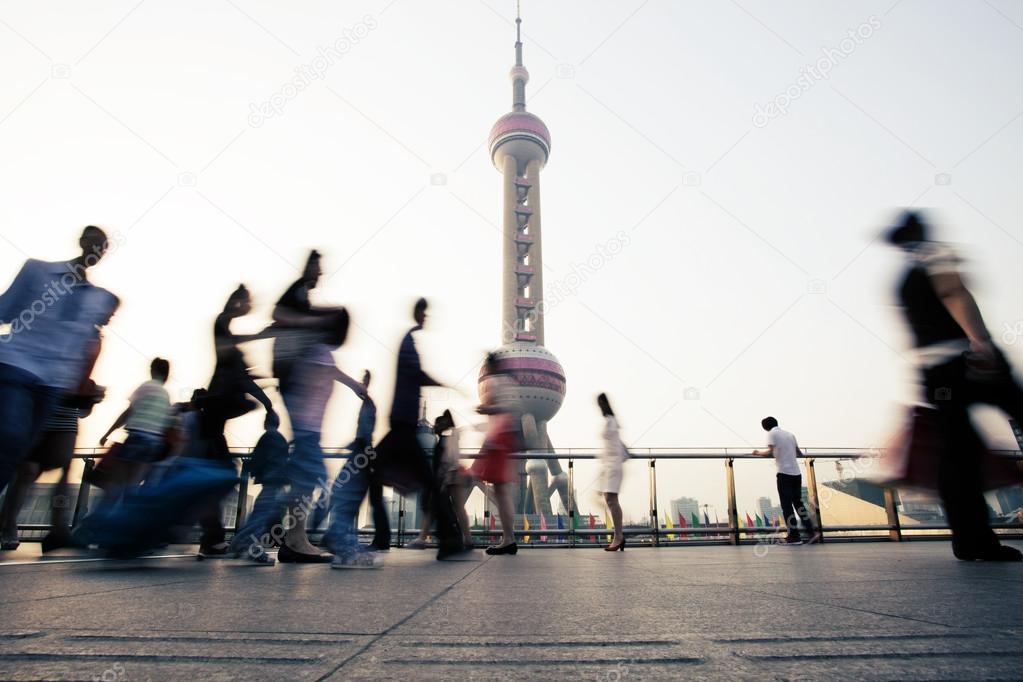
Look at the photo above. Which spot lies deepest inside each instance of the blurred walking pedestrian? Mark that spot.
(310, 386)
(146, 419)
(960, 366)
(54, 315)
(398, 460)
(505, 436)
(224, 400)
(454, 480)
(363, 444)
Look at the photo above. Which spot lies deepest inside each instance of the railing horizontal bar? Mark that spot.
(336, 453)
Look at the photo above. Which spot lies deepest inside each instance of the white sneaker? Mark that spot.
(357, 559)
(416, 544)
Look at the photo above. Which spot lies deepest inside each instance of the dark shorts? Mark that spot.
(141, 447)
(53, 450)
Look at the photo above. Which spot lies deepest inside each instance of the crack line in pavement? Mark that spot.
(401, 622)
(92, 594)
(853, 608)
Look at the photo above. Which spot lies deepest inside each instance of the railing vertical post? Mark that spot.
(82, 503)
(733, 509)
(243, 497)
(655, 526)
(571, 503)
(811, 490)
(401, 518)
(892, 510)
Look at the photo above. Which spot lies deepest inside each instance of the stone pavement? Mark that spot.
(839, 611)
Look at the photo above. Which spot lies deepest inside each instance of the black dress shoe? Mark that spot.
(380, 546)
(993, 553)
(219, 551)
(513, 548)
(56, 539)
(289, 556)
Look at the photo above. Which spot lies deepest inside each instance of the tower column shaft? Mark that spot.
(536, 289)
(509, 285)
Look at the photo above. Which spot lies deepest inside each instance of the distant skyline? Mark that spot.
(718, 175)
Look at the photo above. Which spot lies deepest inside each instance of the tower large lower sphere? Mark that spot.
(539, 376)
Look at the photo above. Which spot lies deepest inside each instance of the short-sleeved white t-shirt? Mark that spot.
(785, 451)
(150, 408)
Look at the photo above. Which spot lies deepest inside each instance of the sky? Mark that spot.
(741, 157)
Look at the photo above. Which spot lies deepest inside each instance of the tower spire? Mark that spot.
(518, 33)
(519, 74)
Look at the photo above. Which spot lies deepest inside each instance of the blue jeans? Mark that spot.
(24, 404)
(376, 503)
(345, 497)
(303, 471)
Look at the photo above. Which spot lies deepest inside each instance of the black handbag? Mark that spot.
(271, 448)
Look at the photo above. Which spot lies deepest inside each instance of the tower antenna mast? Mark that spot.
(518, 33)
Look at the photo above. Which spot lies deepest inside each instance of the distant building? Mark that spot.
(767, 510)
(913, 508)
(684, 507)
(865, 490)
(922, 508)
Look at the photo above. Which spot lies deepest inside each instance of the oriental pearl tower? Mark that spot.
(519, 147)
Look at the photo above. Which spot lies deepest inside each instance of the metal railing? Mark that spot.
(732, 532)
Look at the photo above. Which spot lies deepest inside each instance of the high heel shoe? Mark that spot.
(613, 548)
(512, 548)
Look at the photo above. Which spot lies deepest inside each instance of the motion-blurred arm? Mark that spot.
(351, 383)
(290, 317)
(961, 305)
(118, 423)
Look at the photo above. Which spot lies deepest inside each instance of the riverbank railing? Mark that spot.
(733, 529)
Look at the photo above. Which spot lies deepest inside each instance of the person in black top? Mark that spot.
(960, 367)
(225, 399)
(400, 454)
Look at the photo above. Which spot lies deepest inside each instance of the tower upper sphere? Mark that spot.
(521, 134)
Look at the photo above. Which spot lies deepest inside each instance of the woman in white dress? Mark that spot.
(612, 460)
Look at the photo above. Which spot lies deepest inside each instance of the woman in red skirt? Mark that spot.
(503, 438)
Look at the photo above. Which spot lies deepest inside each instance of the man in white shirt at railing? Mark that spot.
(783, 447)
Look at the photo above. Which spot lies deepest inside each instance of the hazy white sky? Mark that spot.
(747, 274)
